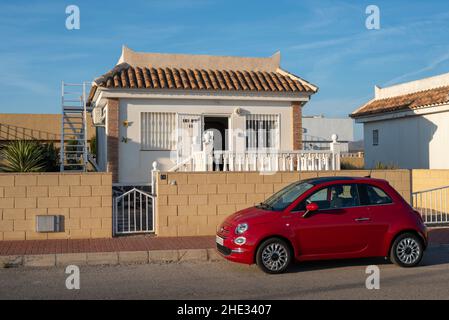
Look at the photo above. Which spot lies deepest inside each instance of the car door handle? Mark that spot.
(362, 219)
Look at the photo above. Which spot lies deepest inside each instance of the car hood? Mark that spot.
(251, 215)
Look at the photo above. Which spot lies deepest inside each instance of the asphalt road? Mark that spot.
(225, 280)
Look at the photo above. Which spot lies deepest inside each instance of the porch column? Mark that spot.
(113, 136)
(297, 124)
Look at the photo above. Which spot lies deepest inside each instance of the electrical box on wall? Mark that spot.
(54, 223)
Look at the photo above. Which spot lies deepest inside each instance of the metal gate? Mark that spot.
(133, 211)
(433, 205)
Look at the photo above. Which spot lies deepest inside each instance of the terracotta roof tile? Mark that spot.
(195, 79)
(409, 101)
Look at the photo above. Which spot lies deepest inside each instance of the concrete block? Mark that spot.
(133, 257)
(39, 260)
(66, 259)
(102, 258)
(163, 256)
(193, 255)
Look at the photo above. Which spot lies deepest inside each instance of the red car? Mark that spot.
(325, 218)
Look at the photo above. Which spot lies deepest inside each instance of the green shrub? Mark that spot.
(23, 156)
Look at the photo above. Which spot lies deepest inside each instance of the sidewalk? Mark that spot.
(123, 250)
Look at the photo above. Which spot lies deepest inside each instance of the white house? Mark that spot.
(175, 108)
(317, 132)
(407, 125)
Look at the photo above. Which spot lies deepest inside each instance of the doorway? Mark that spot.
(219, 125)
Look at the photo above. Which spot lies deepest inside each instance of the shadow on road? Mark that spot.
(432, 256)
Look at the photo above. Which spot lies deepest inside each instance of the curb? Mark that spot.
(110, 258)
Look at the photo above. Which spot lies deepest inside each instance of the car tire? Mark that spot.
(407, 250)
(274, 256)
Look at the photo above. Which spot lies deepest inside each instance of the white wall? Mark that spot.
(411, 143)
(135, 164)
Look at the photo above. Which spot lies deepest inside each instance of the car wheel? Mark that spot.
(407, 250)
(273, 256)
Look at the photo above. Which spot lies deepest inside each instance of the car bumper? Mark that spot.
(236, 253)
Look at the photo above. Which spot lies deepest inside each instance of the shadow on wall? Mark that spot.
(403, 144)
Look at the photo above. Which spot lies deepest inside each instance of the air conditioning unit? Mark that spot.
(98, 116)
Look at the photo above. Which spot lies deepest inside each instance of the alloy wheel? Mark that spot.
(408, 251)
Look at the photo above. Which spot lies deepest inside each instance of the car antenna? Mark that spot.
(369, 175)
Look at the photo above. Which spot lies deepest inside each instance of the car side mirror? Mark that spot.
(310, 208)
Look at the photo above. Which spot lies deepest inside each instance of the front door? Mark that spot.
(189, 135)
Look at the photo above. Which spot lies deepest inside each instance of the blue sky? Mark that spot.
(325, 42)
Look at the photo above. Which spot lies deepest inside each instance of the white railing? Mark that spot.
(433, 205)
(261, 161)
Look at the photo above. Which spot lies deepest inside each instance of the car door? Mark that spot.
(333, 231)
(379, 212)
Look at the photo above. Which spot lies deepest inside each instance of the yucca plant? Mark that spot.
(23, 156)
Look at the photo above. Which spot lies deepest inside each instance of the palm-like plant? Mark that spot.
(23, 156)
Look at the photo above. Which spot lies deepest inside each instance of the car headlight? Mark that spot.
(241, 228)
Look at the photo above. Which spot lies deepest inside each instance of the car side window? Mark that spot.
(371, 195)
(333, 197)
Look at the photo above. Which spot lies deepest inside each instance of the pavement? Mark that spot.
(226, 280)
(125, 250)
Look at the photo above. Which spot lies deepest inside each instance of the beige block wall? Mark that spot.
(84, 199)
(424, 179)
(198, 202)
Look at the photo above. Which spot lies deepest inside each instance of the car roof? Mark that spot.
(321, 180)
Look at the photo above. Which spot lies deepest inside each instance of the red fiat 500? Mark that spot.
(325, 218)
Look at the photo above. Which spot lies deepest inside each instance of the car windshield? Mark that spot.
(283, 198)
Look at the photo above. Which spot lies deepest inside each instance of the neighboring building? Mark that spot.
(157, 107)
(407, 125)
(317, 132)
(42, 127)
